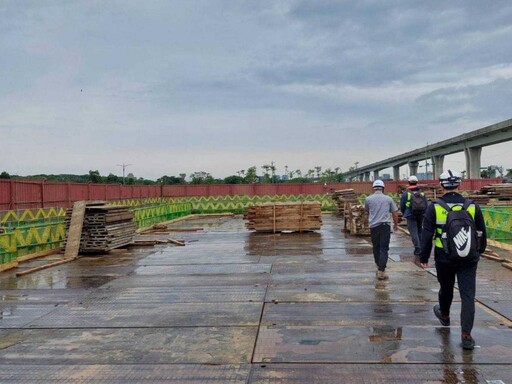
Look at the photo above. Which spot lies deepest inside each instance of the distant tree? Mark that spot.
(272, 168)
(95, 177)
(113, 179)
(4, 175)
(266, 176)
(183, 176)
(250, 175)
(169, 180)
(234, 179)
(509, 173)
(201, 177)
(318, 169)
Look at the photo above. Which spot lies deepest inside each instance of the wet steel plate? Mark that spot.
(369, 292)
(340, 267)
(150, 315)
(161, 295)
(379, 373)
(380, 344)
(504, 308)
(189, 259)
(364, 314)
(203, 269)
(189, 280)
(190, 345)
(129, 373)
(16, 315)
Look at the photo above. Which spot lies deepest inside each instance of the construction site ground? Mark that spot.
(234, 306)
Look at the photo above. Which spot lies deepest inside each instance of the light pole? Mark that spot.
(124, 166)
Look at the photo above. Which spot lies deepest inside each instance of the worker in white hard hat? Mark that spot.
(382, 211)
(452, 222)
(413, 204)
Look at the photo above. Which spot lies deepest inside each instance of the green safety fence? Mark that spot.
(32, 231)
(498, 221)
(147, 216)
(239, 203)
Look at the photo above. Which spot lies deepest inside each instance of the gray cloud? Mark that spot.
(267, 78)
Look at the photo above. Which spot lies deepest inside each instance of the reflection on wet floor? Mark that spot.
(233, 306)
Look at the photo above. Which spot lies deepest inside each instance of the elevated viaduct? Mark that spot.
(470, 143)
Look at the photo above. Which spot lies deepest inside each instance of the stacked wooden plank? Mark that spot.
(498, 191)
(105, 228)
(342, 196)
(479, 199)
(278, 217)
(356, 219)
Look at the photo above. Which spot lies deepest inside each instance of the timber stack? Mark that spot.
(342, 196)
(356, 219)
(105, 227)
(498, 191)
(278, 217)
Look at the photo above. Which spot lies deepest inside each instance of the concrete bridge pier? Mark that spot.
(473, 162)
(437, 164)
(396, 172)
(367, 176)
(413, 168)
(375, 174)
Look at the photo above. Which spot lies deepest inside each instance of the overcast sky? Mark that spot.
(218, 86)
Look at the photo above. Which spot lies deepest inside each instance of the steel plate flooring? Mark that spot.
(233, 306)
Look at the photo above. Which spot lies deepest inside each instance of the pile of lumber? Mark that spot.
(278, 217)
(480, 199)
(342, 196)
(356, 219)
(498, 191)
(105, 227)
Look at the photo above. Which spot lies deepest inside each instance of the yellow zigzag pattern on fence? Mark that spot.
(154, 214)
(30, 215)
(45, 237)
(241, 202)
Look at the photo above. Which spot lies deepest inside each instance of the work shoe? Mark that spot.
(444, 320)
(381, 275)
(468, 342)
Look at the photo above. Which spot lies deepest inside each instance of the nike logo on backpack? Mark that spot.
(463, 237)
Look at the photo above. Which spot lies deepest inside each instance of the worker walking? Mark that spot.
(382, 210)
(458, 226)
(413, 204)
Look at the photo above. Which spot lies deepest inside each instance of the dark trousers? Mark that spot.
(466, 278)
(415, 225)
(381, 235)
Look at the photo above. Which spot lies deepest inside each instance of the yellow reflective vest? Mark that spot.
(441, 216)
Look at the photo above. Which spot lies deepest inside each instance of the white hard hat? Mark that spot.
(378, 184)
(450, 179)
(412, 179)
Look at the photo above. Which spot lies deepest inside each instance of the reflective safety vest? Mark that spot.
(409, 197)
(442, 214)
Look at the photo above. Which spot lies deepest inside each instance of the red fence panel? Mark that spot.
(26, 194)
(174, 190)
(6, 194)
(29, 195)
(78, 192)
(55, 194)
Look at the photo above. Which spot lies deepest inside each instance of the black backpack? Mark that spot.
(460, 239)
(418, 205)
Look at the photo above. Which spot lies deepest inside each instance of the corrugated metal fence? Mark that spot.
(21, 194)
